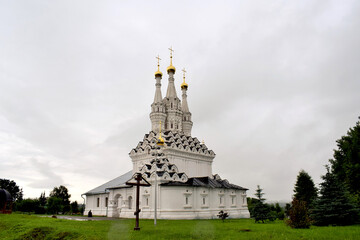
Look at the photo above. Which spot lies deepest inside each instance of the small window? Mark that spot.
(186, 200)
(220, 200)
(203, 201)
(106, 202)
(171, 105)
(98, 202)
(147, 201)
(130, 202)
(232, 200)
(171, 126)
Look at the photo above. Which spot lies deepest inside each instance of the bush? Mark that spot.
(27, 205)
(299, 216)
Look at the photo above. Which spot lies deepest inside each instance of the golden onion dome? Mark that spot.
(184, 85)
(171, 68)
(158, 73)
(160, 141)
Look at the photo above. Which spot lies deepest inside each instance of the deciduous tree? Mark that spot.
(62, 193)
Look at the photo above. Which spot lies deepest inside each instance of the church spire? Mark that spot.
(186, 122)
(184, 87)
(171, 92)
(158, 75)
(157, 107)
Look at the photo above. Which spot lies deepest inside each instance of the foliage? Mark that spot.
(346, 162)
(299, 215)
(62, 193)
(261, 211)
(11, 186)
(287, 209)
(259, 194)
(333, 206)
(54, 205)
(19, 226)
(251, 202)
(277, 211)
(305, 189)
(42, 199)
(223, 215)
(27, 205)
(74, 207)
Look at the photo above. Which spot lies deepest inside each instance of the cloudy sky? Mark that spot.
(272, 85)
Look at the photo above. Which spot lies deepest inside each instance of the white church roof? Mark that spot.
(116, 182)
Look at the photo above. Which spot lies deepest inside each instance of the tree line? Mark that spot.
(57, 202)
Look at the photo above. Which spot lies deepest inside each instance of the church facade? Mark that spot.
(177, 165)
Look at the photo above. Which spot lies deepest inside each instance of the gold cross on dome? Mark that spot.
(171, 51)
(184, 71)
(158, 60)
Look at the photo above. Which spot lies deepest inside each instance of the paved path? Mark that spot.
(83, 218)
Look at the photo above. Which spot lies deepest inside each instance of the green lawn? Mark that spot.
(18, 226)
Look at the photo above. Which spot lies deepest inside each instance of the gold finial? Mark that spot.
(160, 141)
(158, 73)
(171, 67)
(184, 84)
(203, 142)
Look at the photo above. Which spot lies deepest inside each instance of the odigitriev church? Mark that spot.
(177, 165)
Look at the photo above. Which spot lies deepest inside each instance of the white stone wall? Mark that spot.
(91, 204)
(171, 203)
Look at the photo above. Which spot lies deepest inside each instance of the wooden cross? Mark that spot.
(138, 183)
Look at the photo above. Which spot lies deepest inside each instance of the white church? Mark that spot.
(177, 165)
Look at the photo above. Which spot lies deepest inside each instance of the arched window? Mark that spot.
(106, 202)
(171, 125)
(130, 202)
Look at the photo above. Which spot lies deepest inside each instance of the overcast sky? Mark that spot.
(272, 85)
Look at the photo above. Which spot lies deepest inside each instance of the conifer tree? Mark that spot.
(261, 211)
(305, 189)
(333, 206)
(346, 162)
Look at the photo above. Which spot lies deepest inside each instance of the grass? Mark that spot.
(18, 226)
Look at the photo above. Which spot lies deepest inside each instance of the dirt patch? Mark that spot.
(65, 235)
(245, 230)
(39, 233)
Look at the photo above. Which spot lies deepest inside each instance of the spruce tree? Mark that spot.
(261, 210)
(346, 162)
(305, 189)
(333, 206)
